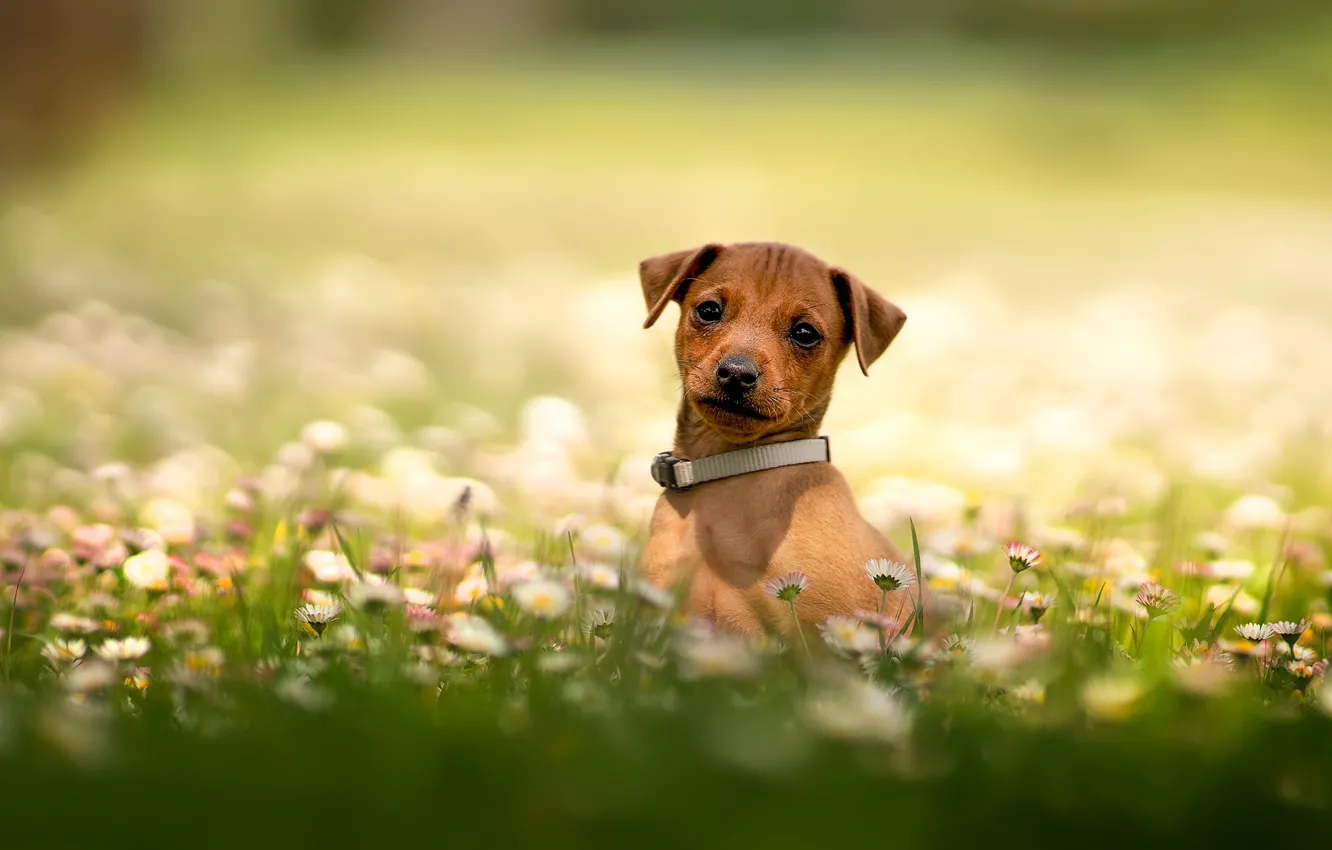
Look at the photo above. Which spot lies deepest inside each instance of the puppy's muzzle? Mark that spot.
(737, 376)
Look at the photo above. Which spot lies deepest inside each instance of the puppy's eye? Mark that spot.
(804, 335)
(709, 312)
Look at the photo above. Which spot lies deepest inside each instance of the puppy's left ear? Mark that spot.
(666, 277)
(873, 321)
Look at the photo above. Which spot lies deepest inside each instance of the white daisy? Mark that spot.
(148, 569)
(1289, 631)
(787, 587)
(543, 598)
(602, 541)
(172, 519)
(374, 595)
(474, 634)
(63, 622)
(858, 711)
(329, 567)
(849, 635)
(716, 656)
(890, 575)
(317, 617)
(60, 652)
(90, 676)
(324, 437)
(124, 650)
(598, 622)
(1255, 512)
(1254, 631)
(417, 596)
(470, 590)
(1038, 603)
(600, 576)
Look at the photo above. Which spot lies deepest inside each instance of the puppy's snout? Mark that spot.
(737, 375)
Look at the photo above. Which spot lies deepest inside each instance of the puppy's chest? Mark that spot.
(743, 540)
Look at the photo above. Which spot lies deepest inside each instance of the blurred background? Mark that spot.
(1109, 221)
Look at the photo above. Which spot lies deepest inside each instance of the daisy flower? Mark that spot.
(787, 587)
(859, 711)
(1254, 632)
(324, 436)
(148, 569)
(598, 622)
(849, 635)
(474, 634)
(1022, 557)
(711, 657)
(90, 676)
(602, 541)
(600, 576)
(1158, 600)
(374, 596)
(1301, 669)
(1289, 631)
(890, 575)
(417, 596)
(60, 652)
(124, 650)
(317, 617)
(1036, 604)
(329, 567)
(470, 589)
(543, 598)
(63, 622)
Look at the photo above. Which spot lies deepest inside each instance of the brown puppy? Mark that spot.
(763, 328)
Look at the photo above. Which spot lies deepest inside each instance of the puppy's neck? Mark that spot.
(695, 438)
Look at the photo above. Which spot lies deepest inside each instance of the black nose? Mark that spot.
(737, 375)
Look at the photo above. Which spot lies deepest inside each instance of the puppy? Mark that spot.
(763, 327)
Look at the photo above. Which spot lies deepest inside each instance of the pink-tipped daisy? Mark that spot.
(890, 575)
(1022, 557)
(1289, 631)
(1254, 632)
(1158, 600)
(788, 587)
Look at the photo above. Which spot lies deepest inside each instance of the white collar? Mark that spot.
(675, 473)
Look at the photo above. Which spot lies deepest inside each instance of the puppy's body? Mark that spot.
(763, 329)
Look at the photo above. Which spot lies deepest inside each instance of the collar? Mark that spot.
(675, 473)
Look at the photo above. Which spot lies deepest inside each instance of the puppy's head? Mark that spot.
(763, 328)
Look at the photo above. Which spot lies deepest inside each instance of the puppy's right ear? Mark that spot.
(665, 278)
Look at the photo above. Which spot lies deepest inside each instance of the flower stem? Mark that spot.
(1000, 612)
(799, 631)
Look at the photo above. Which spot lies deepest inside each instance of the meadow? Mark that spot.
(325, 414)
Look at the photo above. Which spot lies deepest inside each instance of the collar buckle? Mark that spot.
(663, 471)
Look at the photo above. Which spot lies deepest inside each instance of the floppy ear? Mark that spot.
(873, 320)
(664, 278)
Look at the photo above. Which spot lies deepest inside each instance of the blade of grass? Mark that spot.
(1225, 615)
(346, 550)
(1274, 575)
(920, 578)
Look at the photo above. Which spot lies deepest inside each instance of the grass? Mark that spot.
(1115, 267)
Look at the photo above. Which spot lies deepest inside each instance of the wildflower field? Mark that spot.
(325, 415)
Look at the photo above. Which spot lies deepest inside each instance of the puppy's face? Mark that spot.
(763, 328)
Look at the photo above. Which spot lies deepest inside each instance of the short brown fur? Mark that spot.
(725, 539)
